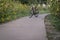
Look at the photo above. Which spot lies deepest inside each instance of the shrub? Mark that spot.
(55, 7)
(10, 10)
(55, 11)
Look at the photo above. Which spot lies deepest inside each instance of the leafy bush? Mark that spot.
(10, 10)
(55, 22)
(55, 11)
(55, 7)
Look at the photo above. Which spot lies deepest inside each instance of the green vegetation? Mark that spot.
(10, 10)
(55, 13)
(13, 9)
(32, 1)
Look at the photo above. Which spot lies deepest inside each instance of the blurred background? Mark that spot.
(13, 9)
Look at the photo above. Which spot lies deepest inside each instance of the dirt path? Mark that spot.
(24, 29)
